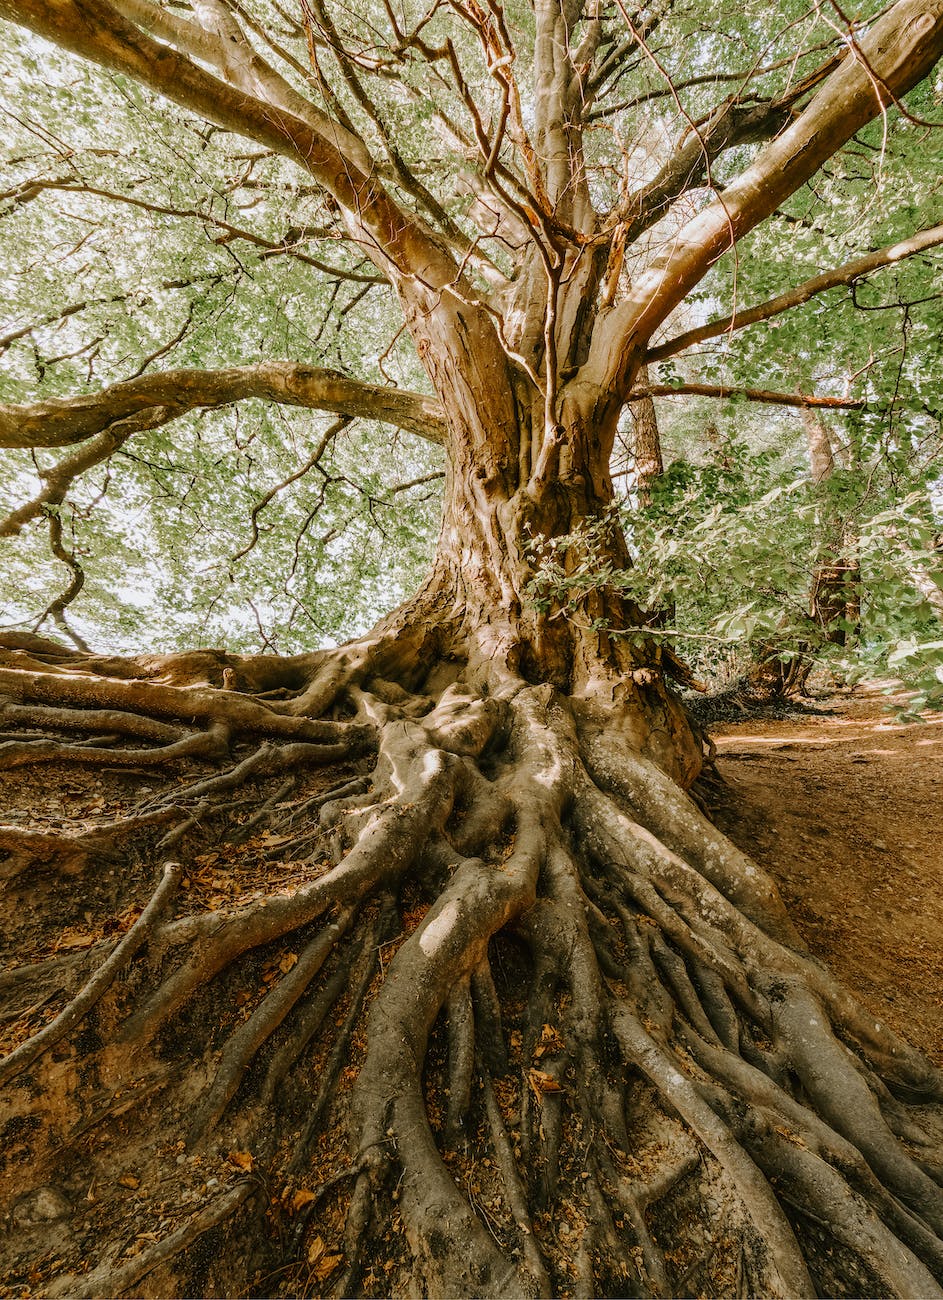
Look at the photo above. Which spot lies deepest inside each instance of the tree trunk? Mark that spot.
(489, 1009)
(834, 603)
(493, 533)
(649, 465)
(646, 444)
(833, 596)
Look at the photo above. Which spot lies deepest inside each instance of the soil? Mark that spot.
(844, 807)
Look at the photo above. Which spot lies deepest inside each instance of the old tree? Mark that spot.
(476, 1001)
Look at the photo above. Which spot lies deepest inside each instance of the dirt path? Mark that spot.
(846, 811)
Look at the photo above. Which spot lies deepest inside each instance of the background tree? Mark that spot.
(534, 984)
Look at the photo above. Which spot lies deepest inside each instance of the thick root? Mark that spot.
(490, 1010)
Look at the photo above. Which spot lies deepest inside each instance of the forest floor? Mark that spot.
(844, 807)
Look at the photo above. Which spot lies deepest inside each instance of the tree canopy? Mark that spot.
(144, 235)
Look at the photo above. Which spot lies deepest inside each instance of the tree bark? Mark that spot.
(60, 422)
(646, 444)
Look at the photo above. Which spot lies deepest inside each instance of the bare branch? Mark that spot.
(13, 336)
(770, 397)
(59, 422)
(57, 607)
(847, 273)
(744, 76)
(689, 167)
(328, 437)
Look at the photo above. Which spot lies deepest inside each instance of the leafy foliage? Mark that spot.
(137, 228)
(727, 553)
(137, 236)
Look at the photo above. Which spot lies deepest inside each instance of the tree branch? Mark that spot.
(58, 479)
(730, 126)
(328, 437)
(221, 43)
(897, 53)
(95, 29)
(744, 76)
(404, 175)
(288, 246)
(847, 273)
(770, 397)
(59, 422)
(437, 300)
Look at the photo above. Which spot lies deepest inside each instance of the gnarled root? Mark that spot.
(490, 1009)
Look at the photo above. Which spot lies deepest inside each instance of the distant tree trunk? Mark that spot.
(649, 464)
(718, 445)
(833, 595)
(646, 443)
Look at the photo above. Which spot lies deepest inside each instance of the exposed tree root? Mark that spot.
(519, 1021)
(209, 744)
(78, 1008)
(122, 1278)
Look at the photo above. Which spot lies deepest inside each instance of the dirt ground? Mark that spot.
(845, 809)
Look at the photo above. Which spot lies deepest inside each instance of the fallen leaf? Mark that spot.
(301, 1198)
(72, 939)
(316, 1249)
(290, 959)
(550, 1041)
(542, 1082)
(326, 1266)
(129, 1180)
(241, 1159)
